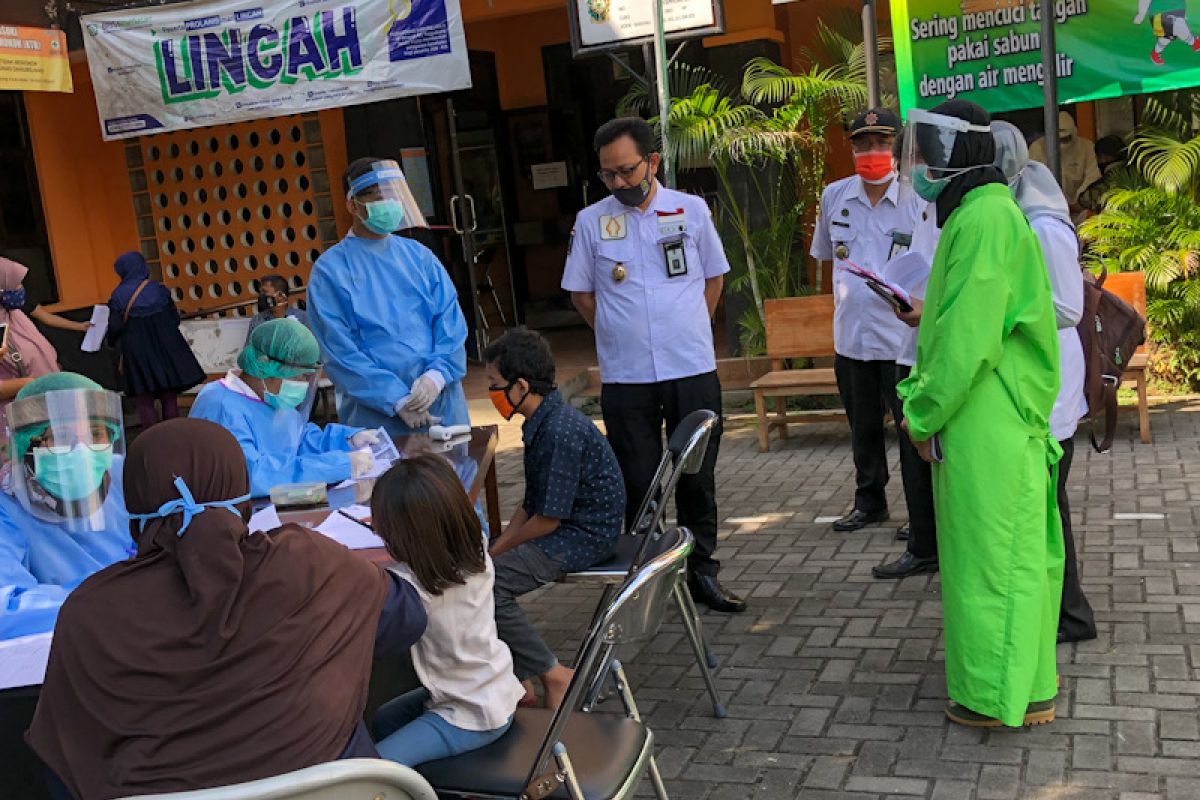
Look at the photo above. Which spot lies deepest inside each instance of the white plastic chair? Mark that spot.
(350, 779)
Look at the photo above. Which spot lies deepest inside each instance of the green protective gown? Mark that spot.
(985, 381)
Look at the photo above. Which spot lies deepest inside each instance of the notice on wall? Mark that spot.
(990, 52)
(34, 60)
(609, 22)
(213, 61)
(549, 176)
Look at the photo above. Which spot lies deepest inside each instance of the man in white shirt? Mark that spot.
(864, 223)
(645, 268)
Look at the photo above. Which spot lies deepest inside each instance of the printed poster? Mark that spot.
(203, 63)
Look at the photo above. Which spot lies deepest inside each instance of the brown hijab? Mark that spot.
(210, 658)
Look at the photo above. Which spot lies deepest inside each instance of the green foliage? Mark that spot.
(1151, 222)
(767, 146)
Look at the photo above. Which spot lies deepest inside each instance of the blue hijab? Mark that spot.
(133, 269)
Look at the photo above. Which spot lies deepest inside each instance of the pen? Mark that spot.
(355, 519)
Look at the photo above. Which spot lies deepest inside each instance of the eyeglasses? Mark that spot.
(624, 173)
(96, 439)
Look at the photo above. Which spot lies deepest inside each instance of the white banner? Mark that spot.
(214, 61)
(603, 22)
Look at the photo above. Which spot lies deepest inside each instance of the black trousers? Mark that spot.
(865, 386)
(917, 474)
(634, 414)
(1075, 619)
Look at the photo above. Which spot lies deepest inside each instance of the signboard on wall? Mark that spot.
(990, 52)
(33, 60)
(214, 61)
(598, 25)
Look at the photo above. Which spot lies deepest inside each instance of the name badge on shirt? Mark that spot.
(672, 223)
(675, 257)
(900, 242)
(612, 227)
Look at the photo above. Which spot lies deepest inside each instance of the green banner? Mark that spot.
(990, 52)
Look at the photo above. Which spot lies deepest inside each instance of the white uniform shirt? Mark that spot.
(650, 326)
(460, 658)
(1060, 249)
(850, 229)
(924, 241)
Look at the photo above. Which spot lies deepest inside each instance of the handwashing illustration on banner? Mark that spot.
(205, 63)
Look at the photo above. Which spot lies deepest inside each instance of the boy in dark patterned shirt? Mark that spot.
(574, 499)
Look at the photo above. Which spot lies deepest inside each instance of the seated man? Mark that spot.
(574, 499)
(274, 303)
(62, 513)
(258, 405)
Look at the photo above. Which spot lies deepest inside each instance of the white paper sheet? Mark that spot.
(23, 660)
(347, 531)
(95, 334)
(909, 271)
(265, 519)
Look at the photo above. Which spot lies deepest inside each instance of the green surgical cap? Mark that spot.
(57, 381)
(54, 382)
(280, 348)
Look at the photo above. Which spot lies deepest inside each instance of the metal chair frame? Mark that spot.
(634, 614)
(648, 524)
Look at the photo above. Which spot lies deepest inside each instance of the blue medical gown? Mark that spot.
(385, 312)
(40, 562)
(280, 447)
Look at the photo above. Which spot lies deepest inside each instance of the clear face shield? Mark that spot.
(62, 446)
(383, 201)
(926, 150)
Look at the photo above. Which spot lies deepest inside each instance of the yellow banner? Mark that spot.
(34, 60)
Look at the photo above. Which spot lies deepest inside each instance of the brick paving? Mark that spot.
(834, 680)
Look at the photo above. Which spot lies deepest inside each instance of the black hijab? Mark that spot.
(971, 149)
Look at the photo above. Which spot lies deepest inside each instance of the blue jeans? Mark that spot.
(408, 734)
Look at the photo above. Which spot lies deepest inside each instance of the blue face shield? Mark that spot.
(382, 199)
(188, 507)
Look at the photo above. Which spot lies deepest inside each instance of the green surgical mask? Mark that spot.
(73, 475)
(291, 395)
(927, 188)
(383, 216)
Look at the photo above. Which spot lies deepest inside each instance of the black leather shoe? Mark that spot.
(859, 519)
(904, 532)
(708, 590)
(904, 566)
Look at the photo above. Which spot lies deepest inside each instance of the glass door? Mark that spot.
(478, 219)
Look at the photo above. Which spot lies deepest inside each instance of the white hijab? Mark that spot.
(1032, 184)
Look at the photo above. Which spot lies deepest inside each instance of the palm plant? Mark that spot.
(1152, 224)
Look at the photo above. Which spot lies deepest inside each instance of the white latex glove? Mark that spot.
(417, 420)
(422, 393)
(361, 463)
(364, 439)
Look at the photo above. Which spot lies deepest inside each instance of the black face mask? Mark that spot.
(634, 196)
(266, 302)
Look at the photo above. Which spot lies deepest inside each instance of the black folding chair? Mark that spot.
(596, 756)
(684, 456)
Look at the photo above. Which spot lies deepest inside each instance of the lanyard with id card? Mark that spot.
(674, 257)
(900, 243)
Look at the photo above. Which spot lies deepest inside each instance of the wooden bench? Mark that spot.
(1131, 287)
(797, 327)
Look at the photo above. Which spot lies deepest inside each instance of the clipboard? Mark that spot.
(891, 298)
